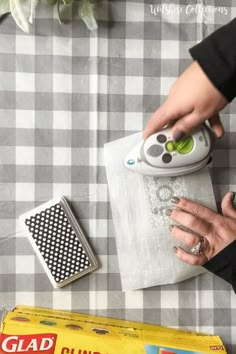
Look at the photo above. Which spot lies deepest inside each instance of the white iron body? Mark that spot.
(160, 156)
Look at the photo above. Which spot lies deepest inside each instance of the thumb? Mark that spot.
(227, 206)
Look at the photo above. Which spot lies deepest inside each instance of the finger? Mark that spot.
(184, 237)
(192, 222)
(163, 116)
(227, 206)
(186, 124)
(195, 209)
(216, 125)
(190, 258)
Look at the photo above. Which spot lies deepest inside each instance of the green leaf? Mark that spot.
(50, 2)
(67, 2)
(87, 15)
(33, 4)
(4, 7)
(58, 12)
(19, 15)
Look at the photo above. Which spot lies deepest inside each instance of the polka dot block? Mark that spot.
(59, 242)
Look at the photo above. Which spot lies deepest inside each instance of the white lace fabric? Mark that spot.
(144, 243)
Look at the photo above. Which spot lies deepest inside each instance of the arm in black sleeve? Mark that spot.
(224, 264)
(216, 55)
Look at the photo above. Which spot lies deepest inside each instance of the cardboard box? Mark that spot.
(44, 331)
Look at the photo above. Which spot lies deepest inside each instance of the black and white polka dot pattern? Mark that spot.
(57, 243)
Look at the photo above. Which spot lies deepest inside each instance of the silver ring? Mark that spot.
(198, 248)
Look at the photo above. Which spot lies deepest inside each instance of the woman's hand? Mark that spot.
(214, 231)
(192, 100)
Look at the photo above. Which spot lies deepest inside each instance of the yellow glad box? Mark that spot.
(43, 331)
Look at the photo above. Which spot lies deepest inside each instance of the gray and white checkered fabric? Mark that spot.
(64, 92)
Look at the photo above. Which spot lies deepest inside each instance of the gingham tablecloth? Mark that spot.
(64, 92)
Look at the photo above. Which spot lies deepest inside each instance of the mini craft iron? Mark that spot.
(159, 155)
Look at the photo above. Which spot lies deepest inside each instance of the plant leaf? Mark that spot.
(4, 7)
(19, 16)
(87, 15)
(33, 4)
(58, 12)
(49, 2)
(67, 2)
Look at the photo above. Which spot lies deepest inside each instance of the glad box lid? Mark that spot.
(43, 331)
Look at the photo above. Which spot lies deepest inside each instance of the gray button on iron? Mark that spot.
(155, 150)
(161, 138)
(166, 158)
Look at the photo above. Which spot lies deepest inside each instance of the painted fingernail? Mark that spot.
(232, 196)
(168, 212)
(175, 200)
(175, 249)
(171, 227)
(178, 136)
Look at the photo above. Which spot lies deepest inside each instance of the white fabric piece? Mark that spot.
(144, 242)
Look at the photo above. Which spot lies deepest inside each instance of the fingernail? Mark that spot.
(178, 136)
(171, 227)
(168, 212)
(232, 196)
(174, 200)
(175, 249)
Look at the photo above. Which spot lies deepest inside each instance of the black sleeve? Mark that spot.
(224, 264)
(216, 55)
